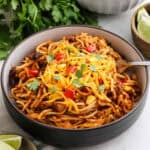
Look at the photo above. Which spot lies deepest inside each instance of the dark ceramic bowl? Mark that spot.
(73, 137)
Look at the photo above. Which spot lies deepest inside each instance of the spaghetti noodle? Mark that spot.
(73, 83)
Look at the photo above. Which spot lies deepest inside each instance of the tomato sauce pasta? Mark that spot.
(73, 83)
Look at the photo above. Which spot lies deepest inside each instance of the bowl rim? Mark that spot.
(80, 129)
(133, 23)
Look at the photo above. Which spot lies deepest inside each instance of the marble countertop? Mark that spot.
(135, 138)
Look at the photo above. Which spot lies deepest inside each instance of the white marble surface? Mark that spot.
(135, 138)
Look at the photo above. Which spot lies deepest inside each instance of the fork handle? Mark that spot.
(140, 63)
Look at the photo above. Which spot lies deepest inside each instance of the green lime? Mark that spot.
(12, 140)
(144, 27)
(5, 146)
(141, 12)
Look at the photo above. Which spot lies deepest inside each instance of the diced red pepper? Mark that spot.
(33, 72)
(100, 81)
(71, 69)
(69, 93)
(91, 48)
(60, 56)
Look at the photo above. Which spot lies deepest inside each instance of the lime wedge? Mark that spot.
(5, 146)
(144, 27)
(142, 12)
(13, 140)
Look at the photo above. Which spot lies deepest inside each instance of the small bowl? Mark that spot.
(108, 6)
(73, 137)
(141, 43)
(27, 145)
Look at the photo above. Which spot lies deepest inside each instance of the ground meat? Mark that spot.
(59, 107)
(13, 79)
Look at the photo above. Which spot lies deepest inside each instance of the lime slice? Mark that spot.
(12, 140)
(144, 27)
(142, 12)
(5, 146)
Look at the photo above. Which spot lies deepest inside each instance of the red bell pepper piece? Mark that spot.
(69, 93)
(33, 72)
(71, 69)
(91, 48)
(60, 56)
(100, 81)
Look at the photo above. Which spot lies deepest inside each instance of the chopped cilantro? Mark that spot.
(49, 58)
(57, 77)
(79, 74)
(77, 83)
(83, 66)
(33, 85)
(53, 89)
(93, 68)
(101, 88)
(68, 50)
(98, 56)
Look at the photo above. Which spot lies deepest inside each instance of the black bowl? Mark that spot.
(73, 137)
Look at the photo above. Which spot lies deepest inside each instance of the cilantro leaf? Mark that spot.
(57, 77)
(49, 58)
(32, 11)
(53, 89)
(98, 56)
(45, 5)
(93, 68)
(3, 54)
(56, 14)
(79, 74)
(33, 86)
(3, 3)
(14, 4)
(83, 66)
(77, 83)
(101, 88)
(68, 50)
